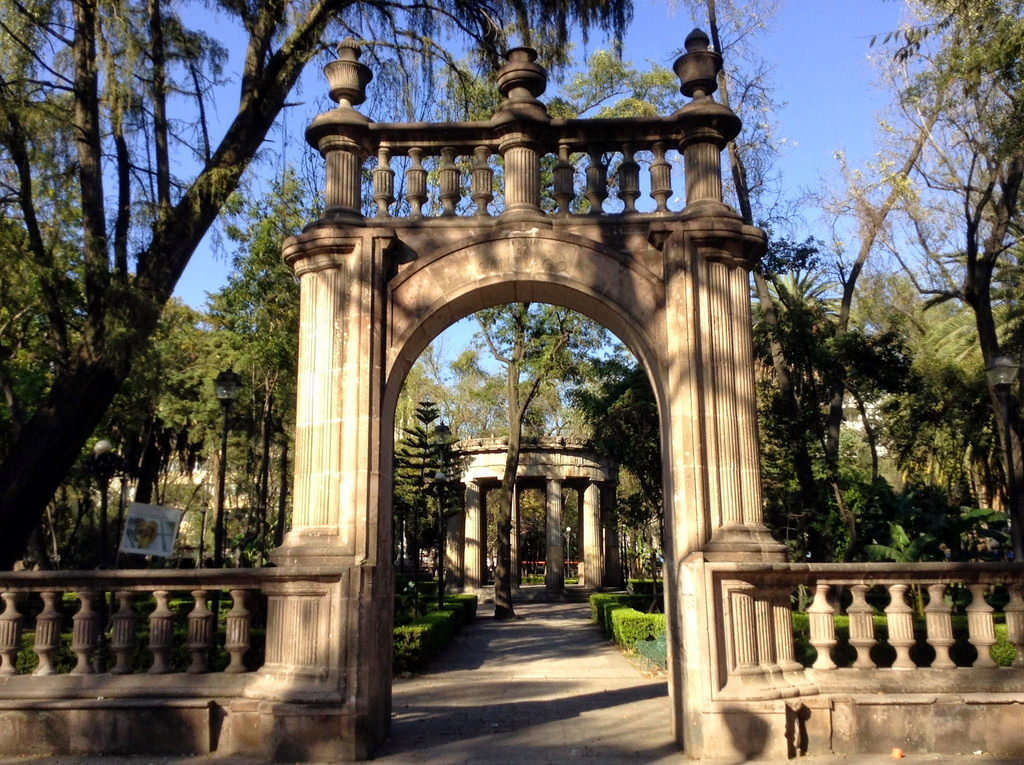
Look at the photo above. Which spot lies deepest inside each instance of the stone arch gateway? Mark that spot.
(673, 284)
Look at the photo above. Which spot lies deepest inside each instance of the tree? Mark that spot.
(536, 345)
(619, 406)
(104, 78)
(259, 310)
(958, 93)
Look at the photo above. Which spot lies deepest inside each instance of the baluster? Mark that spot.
(122, 634)
(661, 177)
(522, 174)
(161, 633)
(939, 622)
(629, 179)
(900, 617)
(416, 183)
(85, 637)
(10, 634)
(597, 183)
(383, 183)
(823, 627)
(862, 626)
(744, 628)
(782, 615)
(565, 173)
(201, 627)
(981, 626)
(483, 180)
(237, 624)
(448, 181)
(48, 625)
(1014, 612)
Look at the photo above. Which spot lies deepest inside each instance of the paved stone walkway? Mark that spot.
(546, 687)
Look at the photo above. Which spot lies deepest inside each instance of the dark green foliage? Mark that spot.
(602, 605)
(467, 602)
(647, 587)
(416, 643)
(630, 626)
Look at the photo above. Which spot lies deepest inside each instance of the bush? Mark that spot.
(415, 644)
(603, 604)
(465, 601)
(629, 626)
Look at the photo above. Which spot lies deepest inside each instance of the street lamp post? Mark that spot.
(441, 433)
(1002, 373)
(226, 385)
(104, 464)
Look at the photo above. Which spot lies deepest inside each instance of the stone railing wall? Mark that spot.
(902, 621)
(528, 164)
(571, 172)
(102, 613)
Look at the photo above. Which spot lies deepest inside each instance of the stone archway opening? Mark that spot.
(564, 509)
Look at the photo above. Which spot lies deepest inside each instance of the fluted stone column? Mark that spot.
(591, 536)
(554, 568)
(475, 540)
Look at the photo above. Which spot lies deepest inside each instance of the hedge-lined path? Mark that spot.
(546, 687)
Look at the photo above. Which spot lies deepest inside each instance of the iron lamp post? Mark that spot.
(1002, 373)
(227, 386)
(104, 465)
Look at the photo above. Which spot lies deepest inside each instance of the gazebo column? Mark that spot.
(554, 569)
(591, 536)
(455, 551)
(612, 569)
(474, 552)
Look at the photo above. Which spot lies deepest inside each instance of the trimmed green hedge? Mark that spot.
(629, 626)
(417, 643)
(467, 602)
(603, 604)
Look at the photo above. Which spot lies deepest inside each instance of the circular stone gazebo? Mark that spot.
(551, 464)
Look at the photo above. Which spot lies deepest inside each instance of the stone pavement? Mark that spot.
(545, 688)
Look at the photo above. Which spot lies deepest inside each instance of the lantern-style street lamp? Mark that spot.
(1002, 373)
(227, 386)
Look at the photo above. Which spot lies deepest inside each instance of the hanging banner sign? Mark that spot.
(150, 530)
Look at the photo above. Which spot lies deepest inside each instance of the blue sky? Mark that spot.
(819, 52)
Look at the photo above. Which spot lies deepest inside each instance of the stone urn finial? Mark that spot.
(348, 77)
(521, 80)
(698, 68)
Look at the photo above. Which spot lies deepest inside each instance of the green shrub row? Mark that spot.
(417, 643)
(603, 604)
(630, 627)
